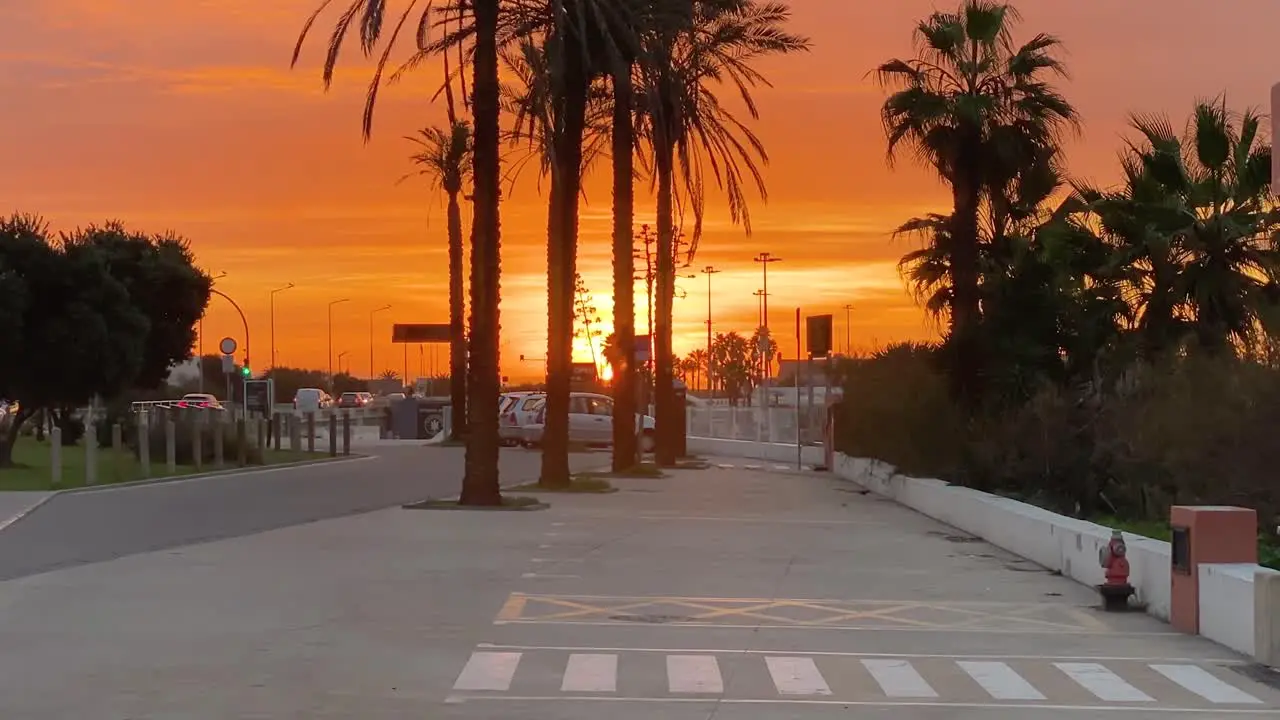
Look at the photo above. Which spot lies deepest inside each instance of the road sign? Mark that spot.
(257, 396)
(1275, 139)
(420, 333)
(582, 374)
(228, 362)
(642, 350)
(227, 345)
(819, 340)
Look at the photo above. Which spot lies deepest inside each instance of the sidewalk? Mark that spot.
(740, 594)
(15, 504)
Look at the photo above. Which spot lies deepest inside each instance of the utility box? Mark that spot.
(416, 418)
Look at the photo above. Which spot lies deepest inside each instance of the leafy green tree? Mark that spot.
(78, 337)
(974, 106)
(163, 282)
(732, 355)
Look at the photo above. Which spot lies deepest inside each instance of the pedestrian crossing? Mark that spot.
(626, 674)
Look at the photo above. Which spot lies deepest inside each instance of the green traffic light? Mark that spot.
(246, 372)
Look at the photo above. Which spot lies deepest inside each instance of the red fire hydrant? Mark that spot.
(1116, 590)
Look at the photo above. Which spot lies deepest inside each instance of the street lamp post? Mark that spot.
(847, 322)
(709, 271)
(200, 334)
(273, 321)
(764, 259)
(371, 314)
(340, 356)
(330, 353)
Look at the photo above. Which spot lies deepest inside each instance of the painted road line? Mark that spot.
(1104, 684)
(488, 671)
(1203, 683)
(899, 679)
(999, 680)
(590, 673)
(796, 676)
(694, 674)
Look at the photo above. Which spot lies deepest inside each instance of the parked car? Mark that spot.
(311, 400)
(590, 423)
(354, 399)
(516, 410)
(203, 401)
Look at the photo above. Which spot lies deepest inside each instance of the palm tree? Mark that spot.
(690, 133)
(478, 24)
(970, 105)
(445, 157)
(1196, 222)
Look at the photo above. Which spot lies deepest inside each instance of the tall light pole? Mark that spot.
(847, 322)
(371, 314)
(330, 353)
(340, 356)
(200, 334)
(709, 271)
(764, 259)
(273, 321)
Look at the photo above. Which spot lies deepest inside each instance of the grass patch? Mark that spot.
(33, 466)
(643, 470)
(509, 503)
(577, 484)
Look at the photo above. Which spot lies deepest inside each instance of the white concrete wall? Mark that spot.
(1225, 590)
(778, 452)
(1056, 542)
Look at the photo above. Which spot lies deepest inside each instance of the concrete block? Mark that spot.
(1266, 616)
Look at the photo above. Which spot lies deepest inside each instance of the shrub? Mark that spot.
(896, 408)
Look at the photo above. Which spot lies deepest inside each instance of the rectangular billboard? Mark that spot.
(420, 333)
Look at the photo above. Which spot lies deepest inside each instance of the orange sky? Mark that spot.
(185, 115)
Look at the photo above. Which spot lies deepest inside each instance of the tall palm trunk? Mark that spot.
(562, 255)
(664, 394)
(480, 484)
(457, 345)
(624, 312)
(966, 308)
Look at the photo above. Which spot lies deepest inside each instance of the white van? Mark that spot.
(311, 400)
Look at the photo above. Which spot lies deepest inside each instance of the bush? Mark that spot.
(896, 408)
(1193, 430)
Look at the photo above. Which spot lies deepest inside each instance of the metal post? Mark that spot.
(170, 446)
(276, 419)
(242, 443)
(273, 321)
(219, 443)
(711, 385)
(346, 433)
(144, 443)
(333, 434)
(55, 455)
(799, 452)
(847, 322)
(311, 432)
(196, 427)
(90, 447)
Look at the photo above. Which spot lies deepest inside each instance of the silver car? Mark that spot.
(515, 411)
(590, 423)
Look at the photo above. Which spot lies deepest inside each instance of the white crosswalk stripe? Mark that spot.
(899, 679)
(1000, 681)
(1203, 683)
(1103, 683)
(867, 679)
(796, 676)
(591, 672)
(694, 674)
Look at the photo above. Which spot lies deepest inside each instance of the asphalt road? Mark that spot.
(79, 528)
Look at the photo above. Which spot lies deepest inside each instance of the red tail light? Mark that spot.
(182, 405)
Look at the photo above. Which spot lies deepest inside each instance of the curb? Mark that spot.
(9, 522)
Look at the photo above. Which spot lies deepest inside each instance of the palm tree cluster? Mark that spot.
(638, 77)
(1041, 279)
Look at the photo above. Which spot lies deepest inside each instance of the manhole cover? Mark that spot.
(652, 619)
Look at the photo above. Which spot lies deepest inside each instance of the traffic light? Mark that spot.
(246, 372)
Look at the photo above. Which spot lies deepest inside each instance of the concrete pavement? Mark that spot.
(717, 593)
(110, 522)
